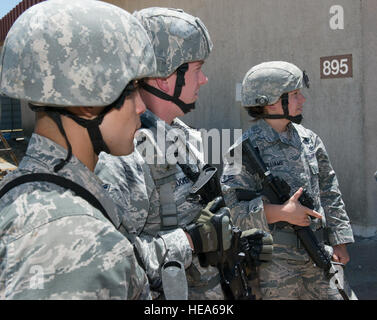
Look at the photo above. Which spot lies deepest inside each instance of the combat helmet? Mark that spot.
(177, 38)
(62, 53)
(267, 82)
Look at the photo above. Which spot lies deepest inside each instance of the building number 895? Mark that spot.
(335, 66)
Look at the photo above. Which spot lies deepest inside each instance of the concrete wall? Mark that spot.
(369, 111)
(342, 111)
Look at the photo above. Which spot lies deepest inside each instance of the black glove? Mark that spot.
(205, 236)
(257, 244)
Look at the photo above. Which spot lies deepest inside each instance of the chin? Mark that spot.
(130, 150)
(124, 152)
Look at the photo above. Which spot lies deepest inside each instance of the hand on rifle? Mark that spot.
(204, 234)
(296, 213)
(257, 244)
(292, 211)
(340, 254)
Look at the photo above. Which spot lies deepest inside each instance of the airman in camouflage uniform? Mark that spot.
(271, 94)
(75, 62)
(155, 193)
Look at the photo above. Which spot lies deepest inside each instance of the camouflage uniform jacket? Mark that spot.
(134, 182)
(299, 157)
(54, 244)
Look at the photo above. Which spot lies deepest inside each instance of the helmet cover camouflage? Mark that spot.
(74, 53)
(177, 37)
(264, 83)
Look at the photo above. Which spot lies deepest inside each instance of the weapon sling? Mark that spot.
(60, 181)
(68, 184)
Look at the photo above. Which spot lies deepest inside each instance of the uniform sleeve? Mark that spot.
(73, 257)
(167, 246)
(131, 187)
(337, 219)
(245, 214)
(123, 180)
(155, 246)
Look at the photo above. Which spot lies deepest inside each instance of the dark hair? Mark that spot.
(255, 112)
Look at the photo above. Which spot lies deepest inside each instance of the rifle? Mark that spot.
(278, 192)
(234, 265)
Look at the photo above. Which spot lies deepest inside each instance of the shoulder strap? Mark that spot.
(165, 181)
(60, 181)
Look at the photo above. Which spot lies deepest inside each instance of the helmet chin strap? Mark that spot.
(179, 83)
(284, 103)
(92, 126)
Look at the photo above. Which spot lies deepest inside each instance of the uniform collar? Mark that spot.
(43, 154)
(48, 154)
(264, 134)
(188, 140)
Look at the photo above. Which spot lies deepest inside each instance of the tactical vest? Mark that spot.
(165, 179)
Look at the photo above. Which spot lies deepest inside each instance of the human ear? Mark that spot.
(163, 84)
(87, 112)
(273, 107)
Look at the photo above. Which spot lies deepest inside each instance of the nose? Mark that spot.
(139, 103)
(302, 98)
(202, 78)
